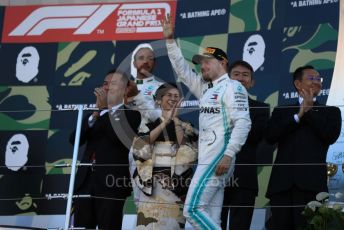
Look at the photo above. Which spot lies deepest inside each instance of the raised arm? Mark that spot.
(180, 65)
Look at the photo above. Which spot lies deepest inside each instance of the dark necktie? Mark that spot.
(138, 82)
(210, 85)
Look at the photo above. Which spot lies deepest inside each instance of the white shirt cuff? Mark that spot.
(91, 121)
(296, 118)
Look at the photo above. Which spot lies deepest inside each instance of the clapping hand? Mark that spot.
(172, 113)
(175, 110)
(307, 102)
(101, 96)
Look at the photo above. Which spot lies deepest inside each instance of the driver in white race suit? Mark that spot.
(224, 123)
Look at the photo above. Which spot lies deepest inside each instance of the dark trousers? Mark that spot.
(92, 212)
(240, 217)
(289, 218)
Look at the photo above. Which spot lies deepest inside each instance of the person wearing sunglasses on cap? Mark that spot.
(224, 123)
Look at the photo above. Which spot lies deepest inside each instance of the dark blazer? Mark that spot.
(110, 138)
(247, 174)
(306, 142)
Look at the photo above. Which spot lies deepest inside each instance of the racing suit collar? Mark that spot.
(148, 79)
(223, 77)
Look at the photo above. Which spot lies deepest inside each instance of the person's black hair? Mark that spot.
(161, 91)
(124, 78)
(297, 75)
(241, 63)
(113, 70)
(299, 72)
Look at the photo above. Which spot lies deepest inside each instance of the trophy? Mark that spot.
(332, 169)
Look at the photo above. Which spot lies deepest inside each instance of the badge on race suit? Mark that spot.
(208, 137)
(148, 91)
(240, 98)
(213, 95)
(240, 89)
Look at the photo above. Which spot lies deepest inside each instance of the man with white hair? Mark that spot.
(141, 92)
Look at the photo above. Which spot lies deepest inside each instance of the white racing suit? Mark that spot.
(144, 102)
(224, 123)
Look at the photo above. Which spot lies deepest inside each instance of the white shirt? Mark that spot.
(296, 117)
(92, 120)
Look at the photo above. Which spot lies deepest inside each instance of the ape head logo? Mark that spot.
(27, 64)
(17, 149)
(254, 51)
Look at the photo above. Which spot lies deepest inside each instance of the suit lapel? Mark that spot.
(317, 105)
(295, 107)
(250, 102)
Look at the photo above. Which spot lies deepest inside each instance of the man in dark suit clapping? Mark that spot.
(108, 135)
(243, 187)
(303, 131)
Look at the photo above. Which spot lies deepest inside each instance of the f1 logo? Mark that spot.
(85, 22)
(86, 18)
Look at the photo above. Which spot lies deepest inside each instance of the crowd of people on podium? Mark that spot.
(137, 143)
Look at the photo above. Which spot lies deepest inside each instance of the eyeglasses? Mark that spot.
(317, 79)
(243, 74)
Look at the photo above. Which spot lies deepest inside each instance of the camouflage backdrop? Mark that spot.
(274, 36)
